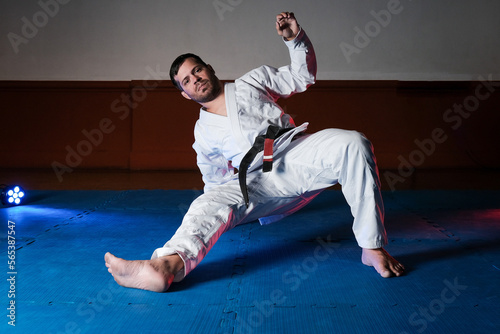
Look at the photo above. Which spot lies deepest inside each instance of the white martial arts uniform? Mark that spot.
(304, 164)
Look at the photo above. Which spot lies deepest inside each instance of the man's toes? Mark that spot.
(108, 257)
(383, 270)
(385, 273)
(389, 270)
(398, 269)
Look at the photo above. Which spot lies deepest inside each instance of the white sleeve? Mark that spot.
(294, 78)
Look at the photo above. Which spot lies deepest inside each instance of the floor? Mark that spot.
(300, 275)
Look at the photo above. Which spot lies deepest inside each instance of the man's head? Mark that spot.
(174, 68)
(195, 78)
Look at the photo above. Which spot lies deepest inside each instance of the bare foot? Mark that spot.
(383, 263)
(153, 275)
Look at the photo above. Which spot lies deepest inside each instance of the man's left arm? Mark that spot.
(301, 73)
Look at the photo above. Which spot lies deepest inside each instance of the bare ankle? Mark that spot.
(171, 263)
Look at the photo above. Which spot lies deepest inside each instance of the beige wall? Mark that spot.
(354, 39)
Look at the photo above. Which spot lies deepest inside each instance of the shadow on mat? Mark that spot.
(295, 229)
(455, 250)
(297, 249)
(259, 259)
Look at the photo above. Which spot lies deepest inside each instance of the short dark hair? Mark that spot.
(174, 69)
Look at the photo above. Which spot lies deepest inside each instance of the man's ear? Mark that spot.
(183, 93)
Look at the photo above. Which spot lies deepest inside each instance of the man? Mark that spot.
(297, 166)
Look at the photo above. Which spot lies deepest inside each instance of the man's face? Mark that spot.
(198, 81)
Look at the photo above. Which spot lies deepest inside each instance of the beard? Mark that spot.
(210, 90)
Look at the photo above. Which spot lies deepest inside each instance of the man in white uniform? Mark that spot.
(293, 168)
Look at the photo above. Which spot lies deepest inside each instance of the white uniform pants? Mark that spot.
(310, 164)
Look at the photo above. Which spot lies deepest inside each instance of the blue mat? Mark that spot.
(300, 275)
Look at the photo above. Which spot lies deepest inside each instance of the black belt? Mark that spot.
(262, 143)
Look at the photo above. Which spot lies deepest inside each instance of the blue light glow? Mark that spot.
(12, 195)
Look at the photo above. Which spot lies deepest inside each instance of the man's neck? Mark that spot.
(217, 106)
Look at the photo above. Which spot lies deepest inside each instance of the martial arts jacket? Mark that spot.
(251, 108)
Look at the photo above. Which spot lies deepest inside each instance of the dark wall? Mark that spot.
(148, 125)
